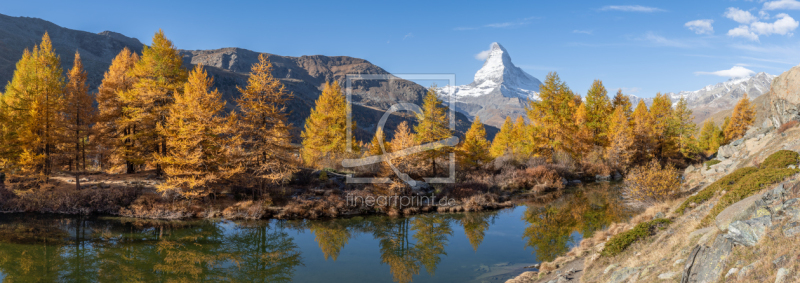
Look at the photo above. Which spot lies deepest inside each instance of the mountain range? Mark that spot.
(303, 76)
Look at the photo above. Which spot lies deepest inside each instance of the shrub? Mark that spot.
(650, 183)
(724, 183)
(542, 177)
(623, 240)
(710, 163)
(780, 159)
(748, 186)
(787, 125)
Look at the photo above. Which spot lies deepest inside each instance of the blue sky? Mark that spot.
(643, 47)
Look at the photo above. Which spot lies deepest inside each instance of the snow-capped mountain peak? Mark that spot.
(499, 89)
(498, 74)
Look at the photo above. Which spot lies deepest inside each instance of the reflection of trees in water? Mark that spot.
(475, 226)
(396, 249)
(29, 251)
(430, 232)
(263, 253)
(331, 237)
(585, 211)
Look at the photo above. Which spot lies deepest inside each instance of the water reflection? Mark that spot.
(552, 225)
(51, 248)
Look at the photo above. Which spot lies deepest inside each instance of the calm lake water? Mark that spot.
(462, 247)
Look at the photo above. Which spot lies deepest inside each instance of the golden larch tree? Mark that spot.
(79, 114)
(663, 127)
(584, 135)
(619, 152)
(744, 115)
(433, 126)
(404, 138)
(685, 129)
(110, 128)
(158, 76)
(263, 126)
(325, 132)
(642, 133)
(552, 116)
(521, 145)
(473, 152)
(502, 140)
(197, 135)
(623, 100)
(710, 138)
(34, 99)
(598, 109)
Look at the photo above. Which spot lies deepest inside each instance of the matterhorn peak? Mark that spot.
(495, 65)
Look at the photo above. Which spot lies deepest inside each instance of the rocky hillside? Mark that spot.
(97, 50)
(303, 76)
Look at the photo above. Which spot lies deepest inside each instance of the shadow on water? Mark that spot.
(484, 247)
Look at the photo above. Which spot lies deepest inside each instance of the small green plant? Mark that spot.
(748, 186)
(781, 159)
(323, 175)
(724, 183)
(711, 162)
(623, 240)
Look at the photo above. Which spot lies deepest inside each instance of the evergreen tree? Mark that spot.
(744, 115)
(264, 127)
(620, 151)
(109, 127)
(79, 113)
(663, 127)
(34, 100)
(598, 109)
(158, 76)
(685, 129)
(624, 101)
(552, 117)
(196, 134)
(502, 140)
(642, 133)
(433, 126)
(474, 150)
(325, 132)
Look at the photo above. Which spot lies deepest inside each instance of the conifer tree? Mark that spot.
(710, 139)
(725, 123)
(642, 133)
(685, 129)
(158, 76)
(584, 136)
(624, 101)
(521, 146)
(403, 138)
(474, 150)
(110, 126)
(264, 127)
(378, 139)
(620, 151)
(34, 99)
(325, 132)
(433, 126)
(552, 117)
(663, 127)
(598, 109)
(79, 113)
(197, 134)
(744, 115)
(502, 140)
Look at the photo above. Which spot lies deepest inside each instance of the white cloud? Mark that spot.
(784, 25)
(742, 17)
(782, 5)
(482, 55)
(734, 72)
(630, 90)
(763, 15)
(632, 8)
(743, 31)
(582, 31)
(408, 36)
(701, 26)
(520, 22)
